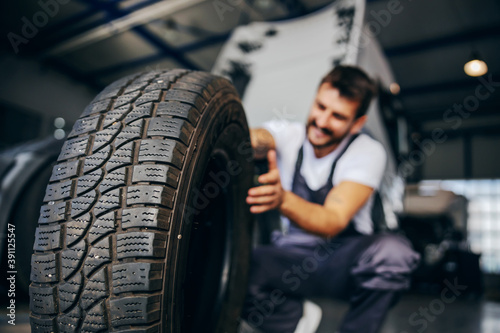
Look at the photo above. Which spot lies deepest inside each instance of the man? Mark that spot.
(322, 182)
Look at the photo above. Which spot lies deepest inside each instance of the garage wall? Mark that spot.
(32, 96)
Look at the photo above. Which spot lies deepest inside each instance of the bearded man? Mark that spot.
(322, 180)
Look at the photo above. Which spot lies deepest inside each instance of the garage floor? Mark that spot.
(461, 316)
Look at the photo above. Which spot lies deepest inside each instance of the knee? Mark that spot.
(393, 250)
(386, 263)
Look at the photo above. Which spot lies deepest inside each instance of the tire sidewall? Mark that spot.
(222, 128)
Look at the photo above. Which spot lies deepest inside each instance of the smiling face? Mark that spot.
(331, 119)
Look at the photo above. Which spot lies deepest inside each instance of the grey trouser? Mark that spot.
(367, 270)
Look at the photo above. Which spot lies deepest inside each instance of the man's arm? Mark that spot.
(262, 142)
(341, 203)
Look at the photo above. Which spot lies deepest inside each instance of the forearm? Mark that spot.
(262, 142)
(310, 216)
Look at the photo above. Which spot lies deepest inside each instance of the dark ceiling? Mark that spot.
(95, 42)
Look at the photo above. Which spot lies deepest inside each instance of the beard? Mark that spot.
(332, 140)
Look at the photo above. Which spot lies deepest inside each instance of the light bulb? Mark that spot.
(475, 68)
(394, 88)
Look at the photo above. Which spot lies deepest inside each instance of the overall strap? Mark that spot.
(298, 164)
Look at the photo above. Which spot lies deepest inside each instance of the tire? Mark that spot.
(145, 227)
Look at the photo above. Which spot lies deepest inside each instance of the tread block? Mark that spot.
(155, 173)
(58, 191)
(113, 179)
(151, 96)
(84, 125)
(124, 81)
(52, 212)
(121, 157)
(127, 98)
(147, 217)
(71, 258)
(108, 92)
(105, 136)
(141, 111)
(138, 85)
(107, 202)
(160, 83)
(43, 300)
(140, 244)
(171, 128)
(99, 254)
(103, 226)
(64, 170)
(135, 310)
(186, 97)
(96, 160)
(150, 194)
(68, 292)
(95, 289)
(205, 91)
(139, 276)
(195, 79)
(69, 322)
(116, 115)
(76, 228)
(177, 72)
(131, 132)
(97, 107)
(83, 203)
(88, 182)
(47, 238)
(43, 268)
(74, 148)
(159, 150)
(147, 76)
(178, 109)
(96, 319)
(42, 325)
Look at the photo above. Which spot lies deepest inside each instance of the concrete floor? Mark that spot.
(460, 316)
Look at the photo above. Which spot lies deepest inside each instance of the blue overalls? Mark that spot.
(367, 270)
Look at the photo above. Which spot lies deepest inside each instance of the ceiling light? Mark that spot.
(475, 66)
(394, 88)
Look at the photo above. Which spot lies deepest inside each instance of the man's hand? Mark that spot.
(268, 196)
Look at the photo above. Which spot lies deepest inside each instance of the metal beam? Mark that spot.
(462, 37)
(62, 35)
(437, 113)
(167, 50)
(152, 38)
(444, 86)
(121, 24)
(212, 40)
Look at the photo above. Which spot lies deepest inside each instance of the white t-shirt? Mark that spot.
(364, 163)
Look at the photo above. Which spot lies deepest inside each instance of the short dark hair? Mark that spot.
(353, 84)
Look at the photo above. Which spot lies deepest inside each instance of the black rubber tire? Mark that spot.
(145, 227)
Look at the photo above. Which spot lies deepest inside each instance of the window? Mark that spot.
(483, 222)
